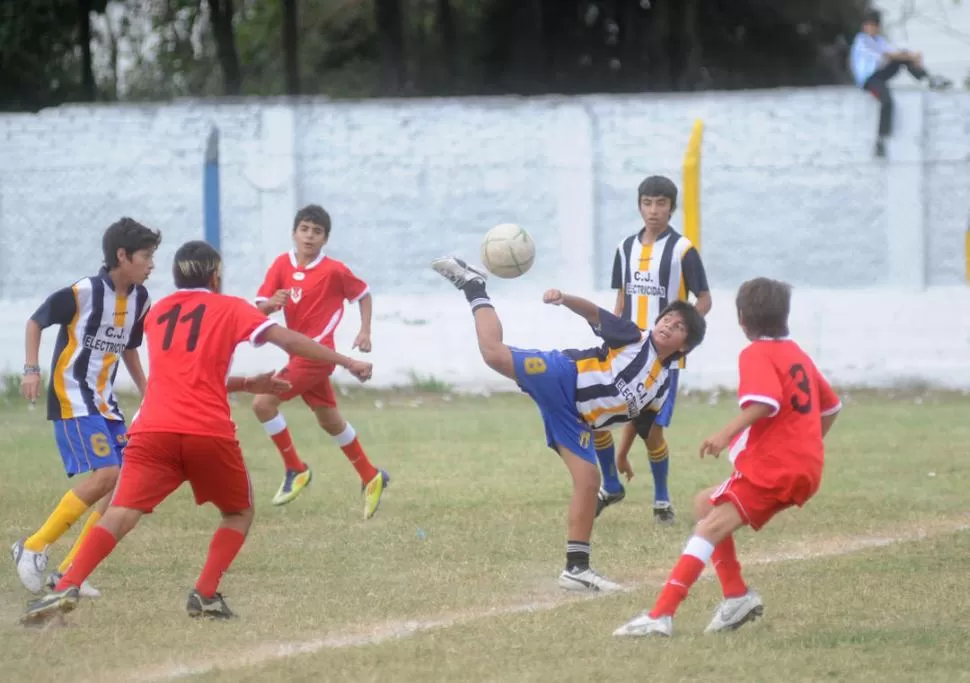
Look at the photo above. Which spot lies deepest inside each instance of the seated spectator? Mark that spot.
(874, 60)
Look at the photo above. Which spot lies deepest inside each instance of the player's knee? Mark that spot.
(702, 505)
(265, 406)
(103, 481)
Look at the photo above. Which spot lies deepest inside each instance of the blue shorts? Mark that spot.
(549, 377)
(666, 413)
(90, 443)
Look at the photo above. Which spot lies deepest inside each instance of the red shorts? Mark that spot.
(157, 463)
(309, 382)
(755, 504)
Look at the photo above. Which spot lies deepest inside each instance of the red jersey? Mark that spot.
(318, 291)
(192, 335)
(779, 452)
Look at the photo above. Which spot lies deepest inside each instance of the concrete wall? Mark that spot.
(790, 189)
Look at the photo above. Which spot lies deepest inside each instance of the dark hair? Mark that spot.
(872, 16)
(195, 264)
(763, 307)
(696, 325)
(130, 235)
(658, 186)
(313, 213)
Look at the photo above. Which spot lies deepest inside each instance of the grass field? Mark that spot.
(455, 578)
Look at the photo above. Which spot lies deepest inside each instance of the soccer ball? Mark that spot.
(508, 251)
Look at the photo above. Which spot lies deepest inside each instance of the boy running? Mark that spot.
(579, 391)
(182, 435)
(101, 321)
(776, 445)
(311, 289)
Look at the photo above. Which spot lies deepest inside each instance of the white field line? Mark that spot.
(264, 653)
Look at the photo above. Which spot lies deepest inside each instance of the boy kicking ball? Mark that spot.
(578, 391)
(787, 408)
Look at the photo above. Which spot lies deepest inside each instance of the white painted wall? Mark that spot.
(790, 189)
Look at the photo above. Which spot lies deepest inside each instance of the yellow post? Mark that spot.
(692, 186)
(966, 253)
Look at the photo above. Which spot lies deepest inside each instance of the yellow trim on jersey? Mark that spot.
(597, 365)
(109, 360)
(64, 360)
(643, 308)
(593, 415)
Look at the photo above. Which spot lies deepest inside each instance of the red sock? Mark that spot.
(355, 454)
(97, 546)
(225, 545)
(687, 570)
(725, 561)
(284, 443)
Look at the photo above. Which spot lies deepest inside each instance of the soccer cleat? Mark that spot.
(30, 566)
(586, 581)
(733, 613)
(293, 484)
(458, 272)
(645, 625)
(85, 591)
(604, 499)
(42, 610)
(211, 608)
(663, 513)
(372, 492)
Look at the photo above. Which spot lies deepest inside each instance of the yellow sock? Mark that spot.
(88, 525)
(68, 511)
(660, 453)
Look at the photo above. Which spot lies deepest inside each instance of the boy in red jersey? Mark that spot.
(184, 429)
(310, 288)
(787, 408)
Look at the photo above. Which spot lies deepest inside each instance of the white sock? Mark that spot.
(346, 437)
(275, 425)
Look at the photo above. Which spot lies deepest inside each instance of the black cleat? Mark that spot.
(212, 608)
(663, 513)
(604, 499)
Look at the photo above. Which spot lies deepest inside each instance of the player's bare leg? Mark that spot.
(578, 576)
(710, 534)
(297, 475)
(30, 554)
(659, 454)
(205, 600)
(102, 539)
(373, 481)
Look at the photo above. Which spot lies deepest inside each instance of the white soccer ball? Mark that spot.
(508, 251)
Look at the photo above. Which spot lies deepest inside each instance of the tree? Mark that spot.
(389, 18)
(290, 47)
(220, 16)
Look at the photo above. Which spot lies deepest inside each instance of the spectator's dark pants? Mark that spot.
(878, 85)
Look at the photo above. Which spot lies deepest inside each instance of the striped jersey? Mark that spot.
(617, 381)
(97, 324)
(654, 274)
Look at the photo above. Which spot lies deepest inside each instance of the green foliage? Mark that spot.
(450, 46)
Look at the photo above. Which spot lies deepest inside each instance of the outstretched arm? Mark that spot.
(296, 344)
(584, 308)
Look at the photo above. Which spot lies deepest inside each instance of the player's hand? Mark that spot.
(279, 299)
(362, 342)
(713, 445)
(360, 370)
(30, 386)
(266, 383)
(624, 467)
(553, 296)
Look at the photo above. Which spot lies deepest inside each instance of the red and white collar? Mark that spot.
(312, 264)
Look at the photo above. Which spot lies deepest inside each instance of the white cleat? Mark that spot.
(645, 625)
(458, 272)
(733, 613)
(30, 566)
(586, 581)
(86, 590)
